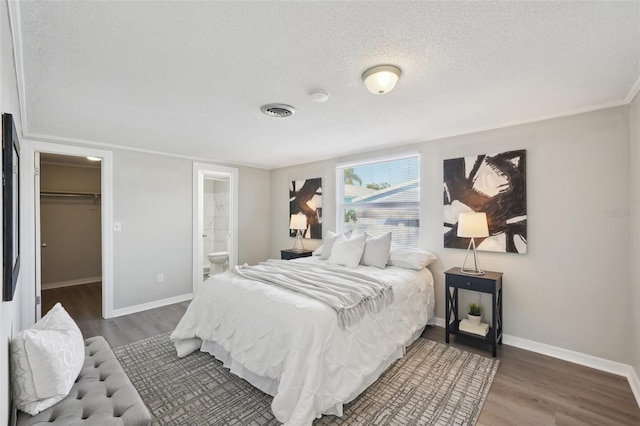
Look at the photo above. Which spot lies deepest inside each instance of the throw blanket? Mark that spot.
(351, 294)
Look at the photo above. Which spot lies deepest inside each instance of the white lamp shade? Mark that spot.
(473, 225)
(381, 79)
(298, 221)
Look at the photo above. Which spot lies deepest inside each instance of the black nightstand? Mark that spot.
(290, 254)
(490, 282)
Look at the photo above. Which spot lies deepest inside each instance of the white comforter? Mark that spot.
(296, 341)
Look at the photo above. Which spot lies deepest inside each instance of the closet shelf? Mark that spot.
(70, 194)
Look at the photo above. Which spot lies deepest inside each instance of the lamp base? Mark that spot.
(471, 272)
(298, 247)
(476, 271)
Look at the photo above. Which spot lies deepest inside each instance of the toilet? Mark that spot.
(219, 260)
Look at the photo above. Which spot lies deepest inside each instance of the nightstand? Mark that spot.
(290, 254)
(490, 282)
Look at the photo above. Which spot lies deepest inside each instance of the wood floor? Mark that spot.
(529, 388)
(84, 304)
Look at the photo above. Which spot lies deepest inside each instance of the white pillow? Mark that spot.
(348, 252)
(328, 242)
(318, 251)
(411, 258)
(45, 361)
(377, 250)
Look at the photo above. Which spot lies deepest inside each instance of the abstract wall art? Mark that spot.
(490, 183)
(305, 196)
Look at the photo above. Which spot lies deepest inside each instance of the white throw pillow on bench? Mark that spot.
(45, 361)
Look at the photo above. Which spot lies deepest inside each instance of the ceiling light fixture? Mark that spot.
(381, 79)
(94, 158)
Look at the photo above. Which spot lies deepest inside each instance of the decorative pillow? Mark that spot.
(411, 258)
(45, 361)
(330, 239)
(318, 251)
(348, 252)
(377, 250)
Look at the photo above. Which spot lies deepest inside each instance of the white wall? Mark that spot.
(153, 201)
(634, 233)
(9, 311)
(570, 289)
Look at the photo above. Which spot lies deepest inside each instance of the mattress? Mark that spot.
(291, 347)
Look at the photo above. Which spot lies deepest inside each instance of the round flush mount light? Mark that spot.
(381, 79)
(94, 158)
(278, 110)
(318, 95)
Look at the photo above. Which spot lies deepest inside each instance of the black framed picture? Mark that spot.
(305, 196)
(495, 184)
(11, 206)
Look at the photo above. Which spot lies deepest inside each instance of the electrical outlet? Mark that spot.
(160, 278)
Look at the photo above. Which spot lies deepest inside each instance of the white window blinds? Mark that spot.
(381, 196)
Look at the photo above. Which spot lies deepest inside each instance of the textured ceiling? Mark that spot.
(189, 78)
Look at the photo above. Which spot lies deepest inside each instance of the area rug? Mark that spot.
(433, 384)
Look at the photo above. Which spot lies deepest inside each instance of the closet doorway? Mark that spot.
(70, 234)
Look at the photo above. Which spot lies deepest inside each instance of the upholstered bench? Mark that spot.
(102, 395)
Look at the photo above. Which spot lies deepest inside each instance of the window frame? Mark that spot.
(340, 193)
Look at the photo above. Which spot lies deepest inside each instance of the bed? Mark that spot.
(293, 348)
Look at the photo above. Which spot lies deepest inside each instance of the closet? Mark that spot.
(70, 231)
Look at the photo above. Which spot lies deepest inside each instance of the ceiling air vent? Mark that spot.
(278, 110)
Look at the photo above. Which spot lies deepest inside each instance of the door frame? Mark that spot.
(202, 171)
(30, 227)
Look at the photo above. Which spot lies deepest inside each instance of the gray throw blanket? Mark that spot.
(350, 293)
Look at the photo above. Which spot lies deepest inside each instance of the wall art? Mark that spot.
(490, 183)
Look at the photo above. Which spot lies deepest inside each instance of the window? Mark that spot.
(381, 196)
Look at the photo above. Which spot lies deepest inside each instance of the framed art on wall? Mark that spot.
(494, 184)
(10, 206)
(305, 197)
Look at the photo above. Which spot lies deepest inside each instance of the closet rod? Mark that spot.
(70, 194)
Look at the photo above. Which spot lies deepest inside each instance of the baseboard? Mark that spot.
(151, 305)
(580, 358)
(634, 382)
(79, 281)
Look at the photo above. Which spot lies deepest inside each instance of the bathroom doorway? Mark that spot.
(216, 234)
(215, 207)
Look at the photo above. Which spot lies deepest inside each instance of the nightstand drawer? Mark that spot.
(290, 254)
(471, 283)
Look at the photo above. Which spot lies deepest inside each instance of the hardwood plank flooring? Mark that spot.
(534, 389)
(529, 389)
(84, 305)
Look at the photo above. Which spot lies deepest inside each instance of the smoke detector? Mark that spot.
(318, 95)
(278, 110)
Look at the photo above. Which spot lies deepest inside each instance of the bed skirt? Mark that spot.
(269, 385)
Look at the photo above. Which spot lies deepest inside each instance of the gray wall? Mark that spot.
(9, 311)
(71, 227)
(153, 201)
(634, 234)
(572, 284)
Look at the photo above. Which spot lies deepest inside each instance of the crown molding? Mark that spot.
(633, 92)
(61, 140)
(16, 36)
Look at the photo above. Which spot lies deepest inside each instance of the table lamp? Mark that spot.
(472, 225)
(299, 223)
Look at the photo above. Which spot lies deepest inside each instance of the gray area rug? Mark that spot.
(433, 384)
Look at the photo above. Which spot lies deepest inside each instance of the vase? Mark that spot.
(474, 319)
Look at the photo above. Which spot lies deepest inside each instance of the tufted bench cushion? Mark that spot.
(102, 395)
